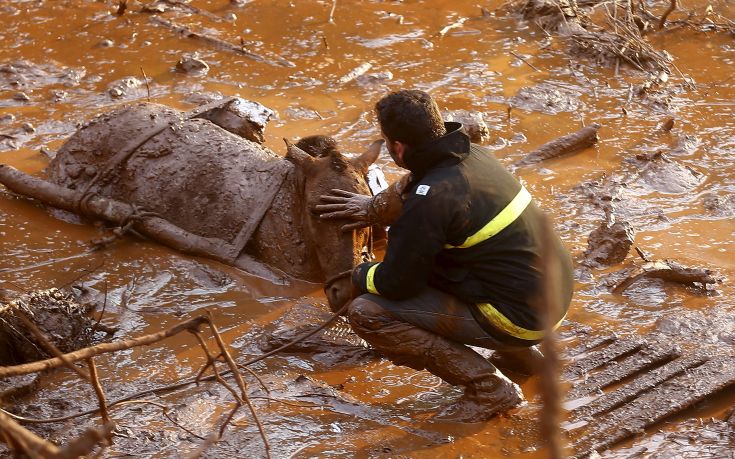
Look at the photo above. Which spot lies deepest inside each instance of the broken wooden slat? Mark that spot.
(598, 358)
(617, 371)
(629, 391)
(589, 345)
(669, 398)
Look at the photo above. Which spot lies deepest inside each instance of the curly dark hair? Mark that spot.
(410, 116)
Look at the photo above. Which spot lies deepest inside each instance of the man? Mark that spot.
(462, 265)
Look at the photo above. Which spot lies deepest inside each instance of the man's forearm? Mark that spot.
(386, 206)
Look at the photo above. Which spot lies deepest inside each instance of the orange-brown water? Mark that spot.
(470, 67)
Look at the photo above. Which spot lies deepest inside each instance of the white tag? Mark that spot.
(422, 189)
(376, 179)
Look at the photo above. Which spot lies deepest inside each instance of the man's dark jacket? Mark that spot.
(456, 189)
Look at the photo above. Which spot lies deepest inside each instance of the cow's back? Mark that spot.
(195, 174)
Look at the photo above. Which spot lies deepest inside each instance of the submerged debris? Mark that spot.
(570, 143)
(473, 122)
(61, 319)
(192, 65)
(615, 39)
(670, 271)
(609, 243)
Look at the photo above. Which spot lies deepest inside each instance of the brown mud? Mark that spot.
(65, 62)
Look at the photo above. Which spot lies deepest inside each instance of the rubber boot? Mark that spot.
(487, 391)
(524, 361)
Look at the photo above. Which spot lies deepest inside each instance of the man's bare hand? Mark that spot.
(340, 204)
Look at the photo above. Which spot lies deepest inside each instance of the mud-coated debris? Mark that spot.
(546, 99)
(356, 72)
(121, 87)
(7, 118)
(720, 205)
(473, 122)
(62, 321)
(21, 97)
(610, 243)
(715, 326)
(242, 117)
(570, 143)
(17, 386)
(192, 65)
(155, 7)
(338, 342)
(670, 271)
(106, 43)
(28, 128)
(58, 95)
(375, 78)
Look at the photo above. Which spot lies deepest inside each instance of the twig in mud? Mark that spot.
(50, 348)
(454, 25)
(103, 348)
(209, 441)
(85, 443)
(85, 273)
(211, 362)
(18, 437)
(523, 59)
(122, 5)
(102, 313)
(114, 405)
(240, 381)
(331, 12)
(221, 44)
(666, 14)
(147, 87)
(128, 293)
(95, 380)
(227, 420)
(46, 263)
(165, 409)
(194, 10)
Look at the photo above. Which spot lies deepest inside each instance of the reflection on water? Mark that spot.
(64, 57)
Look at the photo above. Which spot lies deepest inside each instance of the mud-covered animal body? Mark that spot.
(213, 183)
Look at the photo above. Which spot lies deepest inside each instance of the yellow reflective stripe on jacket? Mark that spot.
(508, 215)
(499, 321)
(370, 280)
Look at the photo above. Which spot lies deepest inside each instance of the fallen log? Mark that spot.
(570, 143)
(115, 212)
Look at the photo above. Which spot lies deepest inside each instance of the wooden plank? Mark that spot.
(671, 397)
(596, 359)
(636, 387)
(617, 371)
(587, 346)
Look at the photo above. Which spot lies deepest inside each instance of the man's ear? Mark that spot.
(399, 149)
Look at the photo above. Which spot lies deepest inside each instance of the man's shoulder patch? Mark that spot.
(422, 189)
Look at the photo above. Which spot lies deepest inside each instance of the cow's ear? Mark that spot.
(298, 156)
(368, 157)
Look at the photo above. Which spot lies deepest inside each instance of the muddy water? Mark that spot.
(76, 49)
